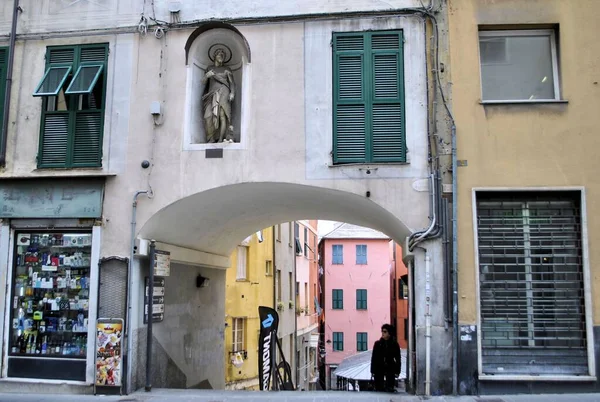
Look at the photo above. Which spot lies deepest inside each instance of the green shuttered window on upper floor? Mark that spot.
(73, 92)
(3, 68)
(368, 104)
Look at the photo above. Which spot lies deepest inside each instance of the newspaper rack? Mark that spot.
(108, 356)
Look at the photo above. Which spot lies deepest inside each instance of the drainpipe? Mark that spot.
(454, 263)
(9, 73)
(128, 317)
(427, 325)
(150, 320)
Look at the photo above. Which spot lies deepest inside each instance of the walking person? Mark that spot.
(385, 361)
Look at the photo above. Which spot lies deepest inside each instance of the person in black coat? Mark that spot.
(385, 361)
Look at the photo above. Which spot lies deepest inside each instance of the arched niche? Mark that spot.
(198, 60)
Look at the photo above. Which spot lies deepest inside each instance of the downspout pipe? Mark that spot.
(7, 91)
(454, 263)
(128, 316)
(427, 324)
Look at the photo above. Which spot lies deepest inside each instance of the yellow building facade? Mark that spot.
(526, 101)
(249, 284)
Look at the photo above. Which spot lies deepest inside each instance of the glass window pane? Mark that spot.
(85, 79)
(51, 286)
(517, 67)
(52, 82)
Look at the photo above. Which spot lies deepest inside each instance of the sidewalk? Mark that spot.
(313, 396)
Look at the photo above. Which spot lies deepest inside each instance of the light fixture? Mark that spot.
(202, 282)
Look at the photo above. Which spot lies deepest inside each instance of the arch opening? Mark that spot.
(215, 221)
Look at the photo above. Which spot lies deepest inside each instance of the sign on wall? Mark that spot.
(158, 300)
(162, 263)
(51, 198)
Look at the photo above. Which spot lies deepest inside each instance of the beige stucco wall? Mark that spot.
(530, 145)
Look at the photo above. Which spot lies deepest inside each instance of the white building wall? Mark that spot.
(283, 173)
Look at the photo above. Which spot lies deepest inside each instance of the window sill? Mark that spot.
(61, 172)
(368, 166)
(523, 102)
(500, 377)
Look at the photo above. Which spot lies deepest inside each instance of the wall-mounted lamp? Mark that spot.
(328, 340)
(202, 282)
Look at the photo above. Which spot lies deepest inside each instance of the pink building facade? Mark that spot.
(357, 268)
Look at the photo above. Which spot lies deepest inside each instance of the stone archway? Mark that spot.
(215, 221)
(206, 227)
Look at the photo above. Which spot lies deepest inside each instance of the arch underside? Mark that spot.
(215, 221)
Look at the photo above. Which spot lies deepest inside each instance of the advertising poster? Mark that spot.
(269, 321)
(109, 365)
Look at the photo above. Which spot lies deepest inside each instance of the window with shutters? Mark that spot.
(73, 92)
(361, 341)
(338, 341)
(361, 254)
(337, 254)
(3, 67)
(337, 299)
(531, 289)
(368, 86)
(361, 299)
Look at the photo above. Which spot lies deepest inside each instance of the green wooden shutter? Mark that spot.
(89, 124)
(3, 67)
(73, 138)
(387, 133)
(349, 99)
(54, 138)
(368, 98)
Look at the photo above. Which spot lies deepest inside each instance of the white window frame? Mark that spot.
(586, 289)
(242, 263)
(238, 327)
(523, 32)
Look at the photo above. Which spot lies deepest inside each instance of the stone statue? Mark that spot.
(218, 97)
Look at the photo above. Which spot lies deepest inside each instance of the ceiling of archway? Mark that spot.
(216, 220)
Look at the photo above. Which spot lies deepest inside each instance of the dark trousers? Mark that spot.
(385, 382)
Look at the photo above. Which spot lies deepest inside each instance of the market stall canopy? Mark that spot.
(358, 367)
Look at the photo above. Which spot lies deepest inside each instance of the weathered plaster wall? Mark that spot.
(525, 145)
(188, 344)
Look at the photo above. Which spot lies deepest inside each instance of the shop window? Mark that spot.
(50, 302)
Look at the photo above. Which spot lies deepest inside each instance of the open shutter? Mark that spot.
(54, 140)
(387, 134)
(89, 124)
(349, 104)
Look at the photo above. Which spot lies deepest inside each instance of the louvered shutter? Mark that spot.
(369, 98)
(73, 138)
(387, 134)
(3, 65)
(350, 106)
(54, 141)
(89, 124)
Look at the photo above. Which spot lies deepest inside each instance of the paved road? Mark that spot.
(247, 396)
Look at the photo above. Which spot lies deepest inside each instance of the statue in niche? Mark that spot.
(218, 97)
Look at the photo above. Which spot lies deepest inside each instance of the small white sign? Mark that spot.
(162, 263)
